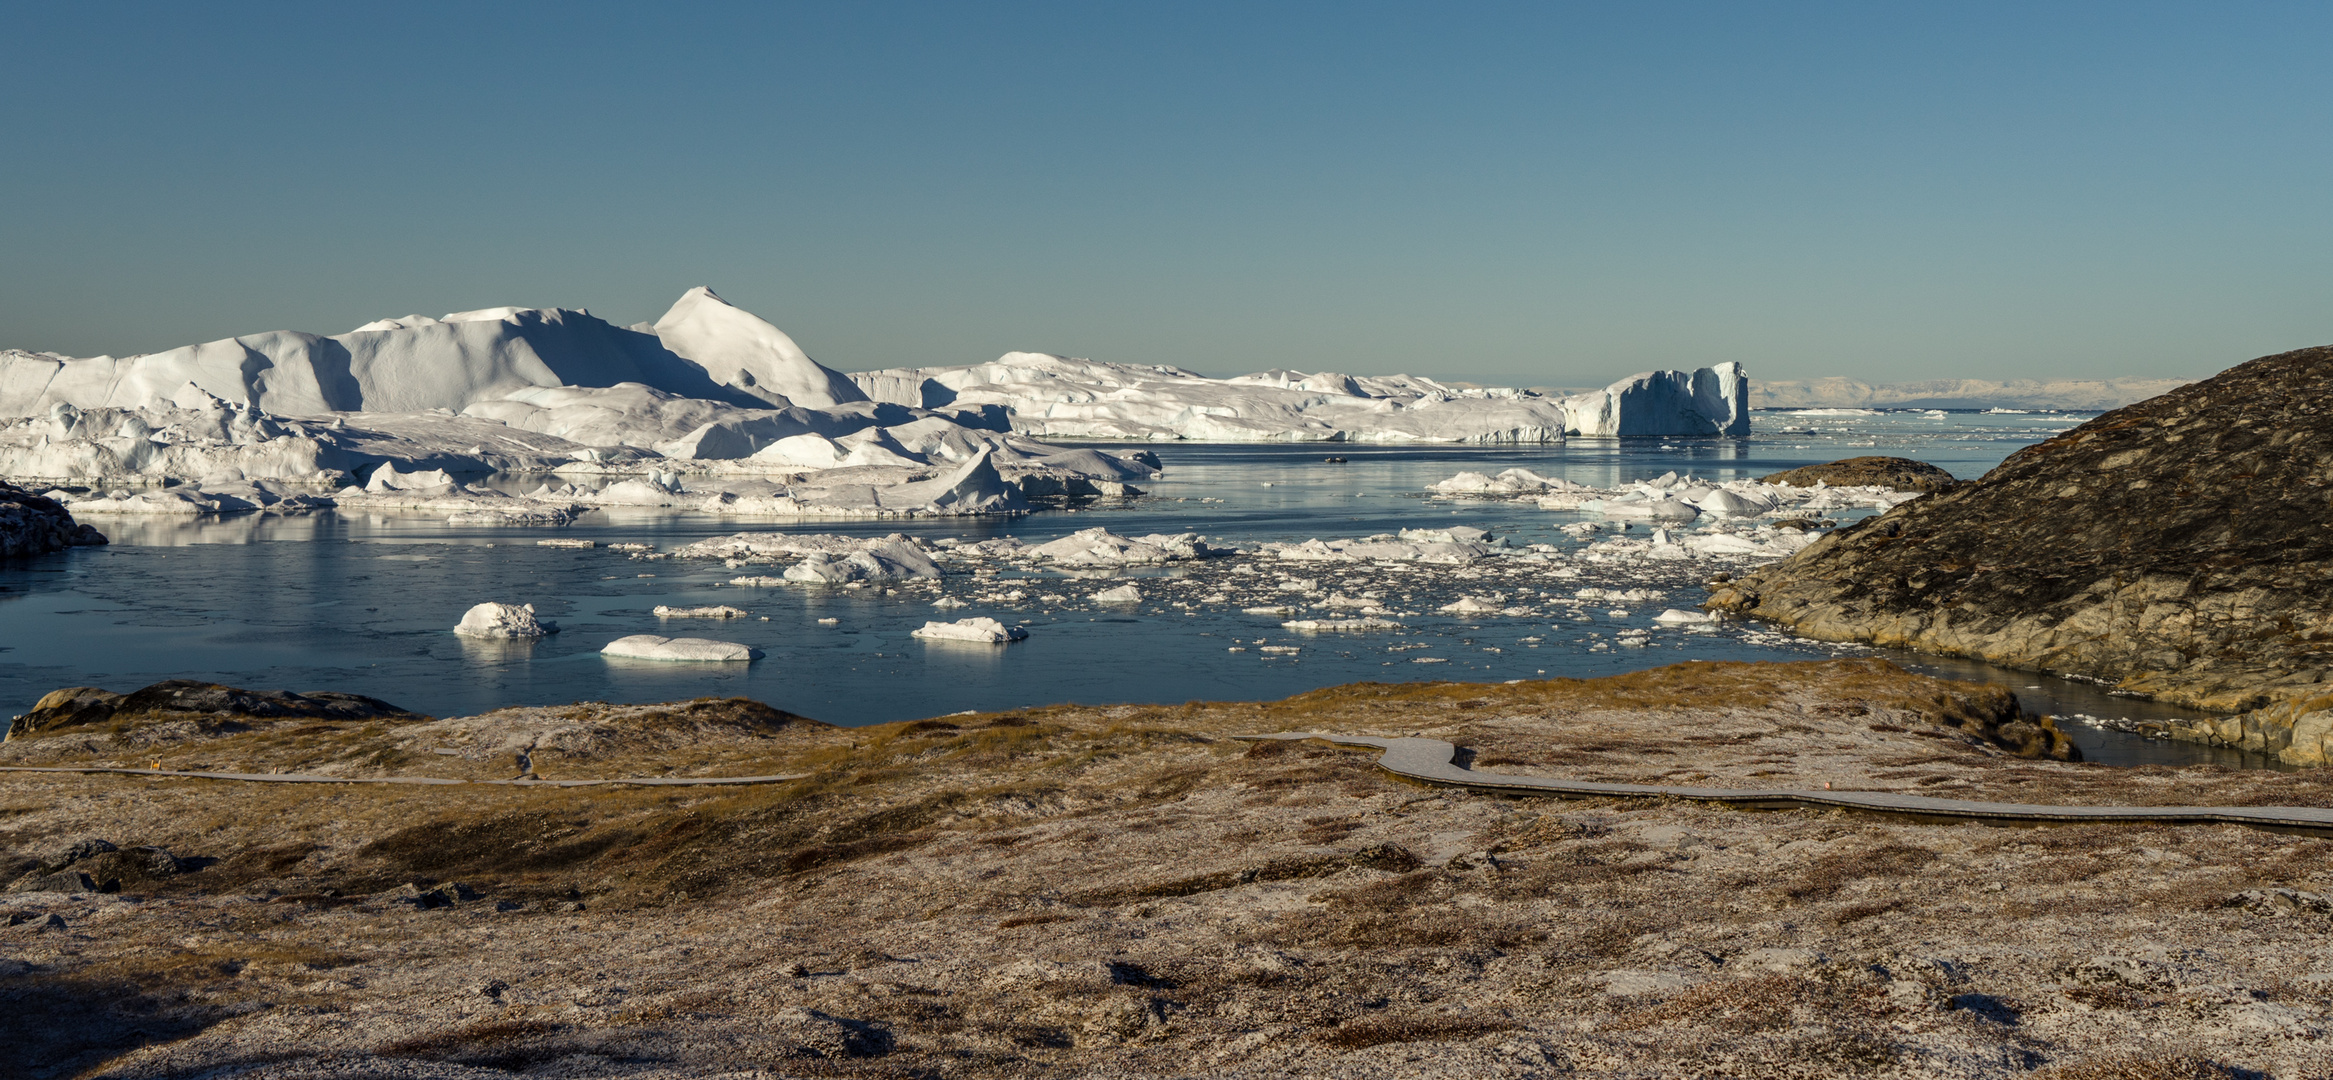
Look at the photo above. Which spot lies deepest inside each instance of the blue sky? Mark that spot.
(1538, 194)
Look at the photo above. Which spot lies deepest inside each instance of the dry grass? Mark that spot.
(1361, 1034)
(1171, 889)
(2126, 1066)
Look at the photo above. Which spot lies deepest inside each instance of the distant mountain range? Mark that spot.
(1844, 393)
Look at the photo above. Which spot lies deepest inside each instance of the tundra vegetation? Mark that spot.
(1131, 891)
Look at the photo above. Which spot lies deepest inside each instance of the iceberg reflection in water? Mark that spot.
(362, 603)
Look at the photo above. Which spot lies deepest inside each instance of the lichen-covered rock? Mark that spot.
(186, 699)
(37, 525)
(2177, 548)
(1901, 474)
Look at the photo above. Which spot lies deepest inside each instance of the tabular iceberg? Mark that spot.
(685, 649)
(1064, 397)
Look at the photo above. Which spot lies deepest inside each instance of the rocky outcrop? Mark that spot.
(2298, 731)
(209, 705)
(2177, 548)
(35, 525)
(1901, 474)
(94, 865)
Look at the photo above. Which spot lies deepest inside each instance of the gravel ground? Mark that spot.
(1128, 891)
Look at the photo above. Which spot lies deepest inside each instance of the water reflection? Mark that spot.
(365, 602)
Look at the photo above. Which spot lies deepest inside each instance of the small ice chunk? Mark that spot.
(1683, 617)
(1340, 624)
(717, 611)
(946, 602)
(656, 647)
(1123, 594)
(492, 620)
(981, 629)
(566, 543)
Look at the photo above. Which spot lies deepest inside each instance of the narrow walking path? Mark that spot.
(1429, 761)
(319, 778)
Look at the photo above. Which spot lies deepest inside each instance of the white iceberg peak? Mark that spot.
(741, 350)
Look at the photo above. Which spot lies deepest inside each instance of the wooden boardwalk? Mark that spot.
(1429, 761)
(319, 778)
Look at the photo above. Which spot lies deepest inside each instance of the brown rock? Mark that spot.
(83, 706)
(2178, 548)
(37, 525)
(1900, 474)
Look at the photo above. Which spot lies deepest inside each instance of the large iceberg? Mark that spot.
(724, 407)
(1707, 401)
(1064, 397)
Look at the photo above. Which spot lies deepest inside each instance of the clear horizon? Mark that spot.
(1507, 194)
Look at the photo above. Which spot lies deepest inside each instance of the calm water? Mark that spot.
(364, 603)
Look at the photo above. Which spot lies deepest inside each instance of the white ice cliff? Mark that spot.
(1063, 397)
(709, 408)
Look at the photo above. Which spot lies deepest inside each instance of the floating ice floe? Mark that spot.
(1510, 482)
(492, 620)
(716, 611)
(1447, 550)
(1123, 594)
(1341, 624)
(1674, 617)
(1622, 595)
(655, 647)
(1670, 498)
(823, 557)
(1100, 547)
(982, 629)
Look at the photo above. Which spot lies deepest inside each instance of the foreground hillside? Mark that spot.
(1130, 891)
(2177, 548)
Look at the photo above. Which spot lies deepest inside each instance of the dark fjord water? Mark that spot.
(365, 603)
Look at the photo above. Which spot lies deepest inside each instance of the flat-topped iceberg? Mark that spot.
(1064, 397)
(984, 630)
(1706, 401)
(690, 649)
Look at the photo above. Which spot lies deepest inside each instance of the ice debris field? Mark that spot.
(1633, 580)
(709, 409)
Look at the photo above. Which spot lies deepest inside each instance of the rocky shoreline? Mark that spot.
(2176, 549)
(37, 525)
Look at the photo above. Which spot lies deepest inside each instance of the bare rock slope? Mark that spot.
(2178, 548)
